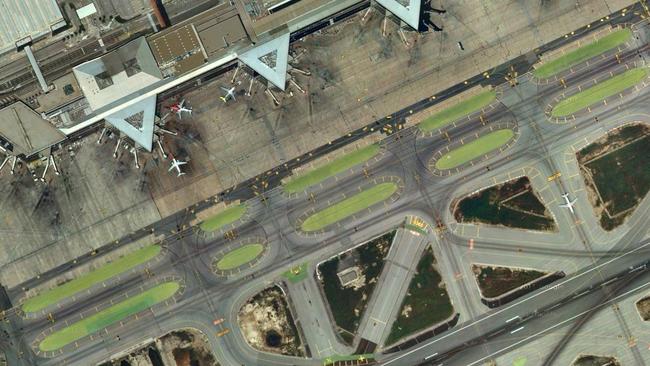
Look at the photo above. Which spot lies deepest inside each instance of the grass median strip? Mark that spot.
(474, 149)
(84, 282)
(240, 256)
(583, 53)
(598, 92)
(108, 316)
(303, 181)
(297, 273)
(457, 111)
(349, 206)
(223, 218)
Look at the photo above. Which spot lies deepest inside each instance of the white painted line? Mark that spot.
(558, 324)
(429, 356)
(513, 318)
(515, 304)
(516, 330)
(608, 282)
(637, 268)
(580, 294)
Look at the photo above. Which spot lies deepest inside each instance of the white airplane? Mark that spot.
(179, 108)
(176, 164)
(230, 93)
(569, 204)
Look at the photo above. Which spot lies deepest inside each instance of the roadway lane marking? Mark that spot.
(432, 355)
(559, 324)
(516, 304)
(516, 330)
(513, 318)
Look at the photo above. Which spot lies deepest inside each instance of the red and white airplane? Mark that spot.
(179, 108)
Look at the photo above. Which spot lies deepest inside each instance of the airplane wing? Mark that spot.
(224, 89)
(171, 167)
(179, 163)
(569, 204)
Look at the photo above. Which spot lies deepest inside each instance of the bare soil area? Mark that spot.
(267, 324)
(183, 347)
(643, 307)
(591, 360)
(187, 347)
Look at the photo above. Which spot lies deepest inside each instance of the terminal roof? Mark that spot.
(137, 121)
(270, 59)
(24, 132)
(410, 13)
(120, 72)
(21, 19)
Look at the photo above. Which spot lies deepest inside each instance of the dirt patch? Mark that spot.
(349, 279)
(643, 307)
(591, 360)
(512, 204)
(187, 347)
(267, 324)
(610, 168)
(494, 281)
(184, 347)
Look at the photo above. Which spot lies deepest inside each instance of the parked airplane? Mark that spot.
(230, 93)
(176, 164)
(569, 204)
(179, 108)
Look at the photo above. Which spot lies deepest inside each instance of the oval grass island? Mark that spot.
(223, 218)
(474, 149)
(240, 256)
(92, 278)
(108, 316)
(595, 94)
(348, 207)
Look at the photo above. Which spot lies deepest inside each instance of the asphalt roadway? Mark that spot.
(406, 153)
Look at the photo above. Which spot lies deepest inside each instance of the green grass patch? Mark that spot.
(297, 273)
(612, 165)
(415, 228)
(512, 204)
(108, 316)
(474, 149)
(303, 181)
(520, 361)
(223, 218)
(598, 92)
(348, 304)
(239, 256)
(426, 303)
(462, 109)
(84, 282)
(349, 206)
(583, 53)
(339, 358)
